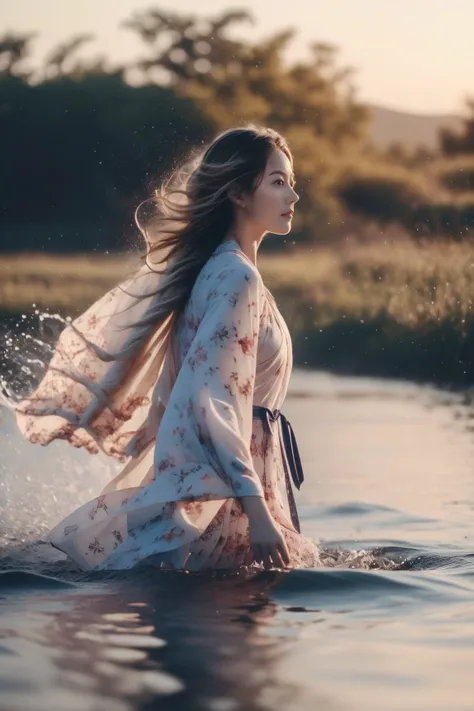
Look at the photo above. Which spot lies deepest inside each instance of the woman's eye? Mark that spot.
(279, 180)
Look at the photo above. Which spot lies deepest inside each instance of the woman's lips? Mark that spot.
(290, 213)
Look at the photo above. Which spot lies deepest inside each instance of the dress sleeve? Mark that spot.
(212, 398)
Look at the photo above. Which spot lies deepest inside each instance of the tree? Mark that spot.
(83, 152)
(14, 49)
(56, 64)
(232, 82)
(455, 143)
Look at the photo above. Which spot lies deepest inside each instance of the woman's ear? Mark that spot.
(236, 196)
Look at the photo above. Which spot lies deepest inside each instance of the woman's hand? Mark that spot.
(267, 542)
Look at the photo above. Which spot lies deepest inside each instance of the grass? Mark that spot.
(58, 283)
(397, 308)
(415, 285)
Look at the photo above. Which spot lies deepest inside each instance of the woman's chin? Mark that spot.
(282, 229)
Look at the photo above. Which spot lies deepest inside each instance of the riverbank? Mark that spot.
(395, 309)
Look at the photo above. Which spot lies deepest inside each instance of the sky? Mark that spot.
(411, 55)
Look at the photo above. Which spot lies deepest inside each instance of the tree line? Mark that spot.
(83, 143)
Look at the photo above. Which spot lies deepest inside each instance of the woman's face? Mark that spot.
(272, 205)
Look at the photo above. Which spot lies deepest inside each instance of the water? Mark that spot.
(388, 622)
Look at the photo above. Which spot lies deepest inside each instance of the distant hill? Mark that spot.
(389, 126)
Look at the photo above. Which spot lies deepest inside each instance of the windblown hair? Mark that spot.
(191, 214)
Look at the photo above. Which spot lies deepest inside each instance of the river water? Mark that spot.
(387, 623)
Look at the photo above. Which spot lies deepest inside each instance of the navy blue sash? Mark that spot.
(290, 453)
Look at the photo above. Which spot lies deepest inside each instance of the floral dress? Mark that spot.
(177, 502)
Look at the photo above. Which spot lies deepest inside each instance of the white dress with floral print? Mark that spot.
(234, 351)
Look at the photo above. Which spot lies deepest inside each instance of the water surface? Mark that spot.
(388, 622)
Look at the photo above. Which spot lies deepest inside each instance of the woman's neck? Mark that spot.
(249, 248)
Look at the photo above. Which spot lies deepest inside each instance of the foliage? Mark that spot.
(312, 103)
(380, 192)
(87, 142)
(456, 174)
(86, 150)
(454, 143)
(87, 146)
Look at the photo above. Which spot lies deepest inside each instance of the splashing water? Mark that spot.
(38, 486)
(27, 344)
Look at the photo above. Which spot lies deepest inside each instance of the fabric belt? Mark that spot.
(290, 453)
(290, 447)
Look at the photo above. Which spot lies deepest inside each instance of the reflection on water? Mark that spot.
(305, 639)
(192, 641)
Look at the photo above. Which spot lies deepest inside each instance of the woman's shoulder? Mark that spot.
(226, 267)
(231, 264)
(224, 274)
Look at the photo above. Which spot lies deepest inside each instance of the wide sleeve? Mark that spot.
(208, 418)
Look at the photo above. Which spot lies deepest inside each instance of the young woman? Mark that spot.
(182, 372)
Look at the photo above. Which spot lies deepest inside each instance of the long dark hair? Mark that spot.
(192, 213)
